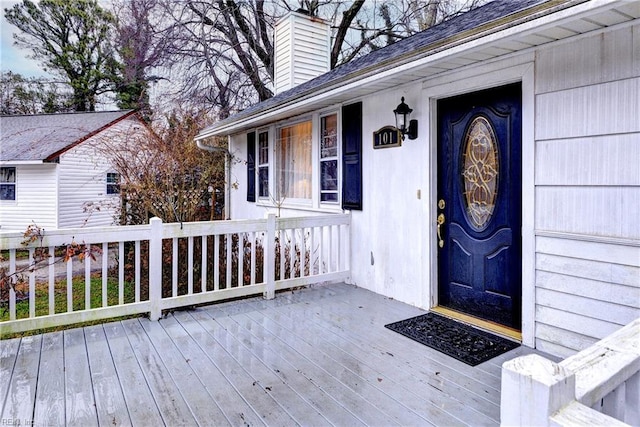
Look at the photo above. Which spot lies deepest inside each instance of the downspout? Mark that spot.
(227, 173)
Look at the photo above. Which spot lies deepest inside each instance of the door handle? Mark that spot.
(440, 222)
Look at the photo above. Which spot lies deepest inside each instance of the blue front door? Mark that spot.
(479, 204)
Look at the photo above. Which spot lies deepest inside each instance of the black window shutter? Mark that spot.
(352, 156)
(251, 167)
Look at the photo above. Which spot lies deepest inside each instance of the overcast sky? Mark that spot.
(13, 58)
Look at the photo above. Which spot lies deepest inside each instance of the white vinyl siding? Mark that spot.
(36, 199)
(83, 182)
(587, 189)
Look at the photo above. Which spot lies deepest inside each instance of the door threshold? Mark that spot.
(487, 325)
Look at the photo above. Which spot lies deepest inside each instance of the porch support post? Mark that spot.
(270, 258)
(533, 388)
(155, 268)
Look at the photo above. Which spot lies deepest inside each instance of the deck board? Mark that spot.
(187, 382)
(203, 331)
(257, 341)
(49, 406)
(318, 356)
(111, 407)
(8, 357)
(141, 406)
(80, 406)
(230, 401)
(21, 390)
(173, 408)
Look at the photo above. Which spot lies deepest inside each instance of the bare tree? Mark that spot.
(225, 51)
(164, 174)
(31, 95)
(143, 41)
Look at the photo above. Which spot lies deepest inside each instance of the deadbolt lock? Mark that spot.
(441, 204)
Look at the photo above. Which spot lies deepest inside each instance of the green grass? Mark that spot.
(78, 297)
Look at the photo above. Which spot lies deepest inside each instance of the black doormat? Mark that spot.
(463, 342)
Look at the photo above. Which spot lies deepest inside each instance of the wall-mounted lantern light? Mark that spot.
(403, 121)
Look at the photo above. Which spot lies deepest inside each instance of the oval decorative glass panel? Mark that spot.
(480, 171)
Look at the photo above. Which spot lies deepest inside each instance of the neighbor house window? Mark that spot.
(263, 164)
(294, 165)
(329, 158)
(113, 183)
(7, 183)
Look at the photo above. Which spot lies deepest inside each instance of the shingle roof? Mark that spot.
(409, 48)
(44, 136)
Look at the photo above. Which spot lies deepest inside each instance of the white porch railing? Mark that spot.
(597, 386)
(160, 266)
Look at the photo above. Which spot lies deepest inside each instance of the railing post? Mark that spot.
(270, 258)
(155, 268)
(533, 388)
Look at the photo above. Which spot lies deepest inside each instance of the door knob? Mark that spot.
(440, 221)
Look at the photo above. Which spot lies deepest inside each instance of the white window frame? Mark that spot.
(14, 183)
(117, 184)
(268, 165)
(314, 203)
(337, 158)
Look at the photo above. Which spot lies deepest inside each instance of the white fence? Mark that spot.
(156, 267)
(597, 386)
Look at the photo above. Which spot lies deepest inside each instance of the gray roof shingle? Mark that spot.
(44, 136)
(409, 48)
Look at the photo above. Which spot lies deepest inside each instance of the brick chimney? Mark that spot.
(302, 50)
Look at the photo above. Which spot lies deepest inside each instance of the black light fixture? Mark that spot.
(403, 121)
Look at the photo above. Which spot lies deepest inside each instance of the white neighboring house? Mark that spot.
(55, 170)
(516, 206)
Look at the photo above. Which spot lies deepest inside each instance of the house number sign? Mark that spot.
(388, 136)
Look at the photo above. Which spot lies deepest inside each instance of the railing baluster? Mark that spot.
(632, 404)
(331, 254)
(52, 280)
(70, 285)
(613, 404)
(32, 286)
(87, 279)
(137, 270)
(190, 265)
(338, 249)
(105, 274)
(292, 253)
(203, 264)
(281, 241)
(347, 247)
(229, 257)
(12, 292)
(240, 260)
(175, 259)
(303, 252)
(252, 268)
(320, 245)
(121, 262)
(312, 231)
(216, 262)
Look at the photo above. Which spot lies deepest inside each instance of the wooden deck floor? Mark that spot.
(314, 357)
